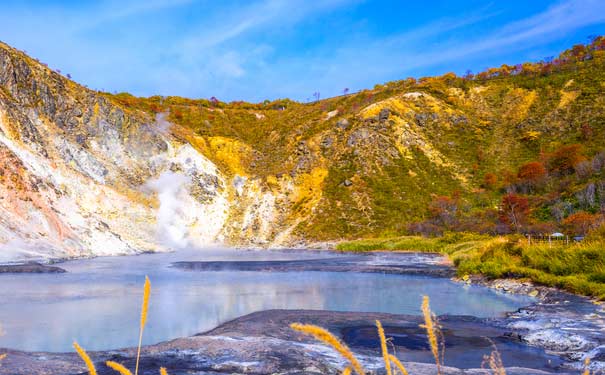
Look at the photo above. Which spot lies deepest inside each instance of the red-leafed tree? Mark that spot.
(531, 175)
(514, 210)
(581, 223)
(563, 160)
(490, 180)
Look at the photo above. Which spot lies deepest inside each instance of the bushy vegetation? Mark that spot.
(578, 267)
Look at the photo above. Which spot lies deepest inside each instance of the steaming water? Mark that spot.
(97, 302)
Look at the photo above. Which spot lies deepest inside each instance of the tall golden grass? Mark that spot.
(586, 367)
(82, 353)
(327, 338)
(398, 364)
(494, 362)
(144, 310)
(117, 366)
(432, 330)
(383, 346)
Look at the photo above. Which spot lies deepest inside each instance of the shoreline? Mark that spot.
(263, 343)
(551, 322)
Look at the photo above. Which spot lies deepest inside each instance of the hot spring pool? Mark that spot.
(97, 302)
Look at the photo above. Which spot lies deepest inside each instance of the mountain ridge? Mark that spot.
(174, 172)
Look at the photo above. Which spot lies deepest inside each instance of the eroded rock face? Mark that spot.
(74, 173)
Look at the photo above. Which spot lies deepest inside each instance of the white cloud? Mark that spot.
(232, 52)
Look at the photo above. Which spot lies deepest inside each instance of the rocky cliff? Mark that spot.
(81, 176)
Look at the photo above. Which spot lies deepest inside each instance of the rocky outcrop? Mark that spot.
(81, 176)
(30, 267)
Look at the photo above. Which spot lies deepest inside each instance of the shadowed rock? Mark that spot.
(32, 267)
(356, 263)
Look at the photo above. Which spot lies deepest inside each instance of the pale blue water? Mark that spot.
(98, 301)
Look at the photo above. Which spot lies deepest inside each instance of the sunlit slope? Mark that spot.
(370, 163)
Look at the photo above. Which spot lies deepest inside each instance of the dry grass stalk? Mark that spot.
(383, 346)
(163, 371)
(346, 371)
(144, 310)
(586, 366)
(326, 337)
(118, 367)
(494, 361)
(82, 353)
(432, 330)
(398, 364)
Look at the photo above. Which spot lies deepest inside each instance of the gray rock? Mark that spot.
(32, 267)
(327, 142)
(357, 136)
(342, 124)
(384, 114)
(264, 343)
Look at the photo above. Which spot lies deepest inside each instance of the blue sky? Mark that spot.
(267, 49)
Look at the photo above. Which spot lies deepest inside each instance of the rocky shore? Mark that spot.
(263, 343)
(564, 324)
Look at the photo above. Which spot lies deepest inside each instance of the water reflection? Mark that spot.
(97, 302)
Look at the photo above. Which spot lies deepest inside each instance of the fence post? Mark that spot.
(549, 241)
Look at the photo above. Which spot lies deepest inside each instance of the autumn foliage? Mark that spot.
(532, 172)
(490, 180)
(564, 159)
(514, 211)
(580, 223)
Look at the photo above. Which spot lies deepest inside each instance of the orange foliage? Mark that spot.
(532, 172)
(581, 222)
(490, 180)
(514, 211)
(565, 158)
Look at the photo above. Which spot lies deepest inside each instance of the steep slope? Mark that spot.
(79, 175)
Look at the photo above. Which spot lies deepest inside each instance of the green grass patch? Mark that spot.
(578, 268)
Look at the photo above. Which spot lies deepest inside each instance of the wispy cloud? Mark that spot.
(406, 52)
(276, 48)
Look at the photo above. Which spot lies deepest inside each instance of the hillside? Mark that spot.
(85, 172)
(440, 151)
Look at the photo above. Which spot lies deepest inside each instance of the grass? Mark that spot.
(578, 268)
